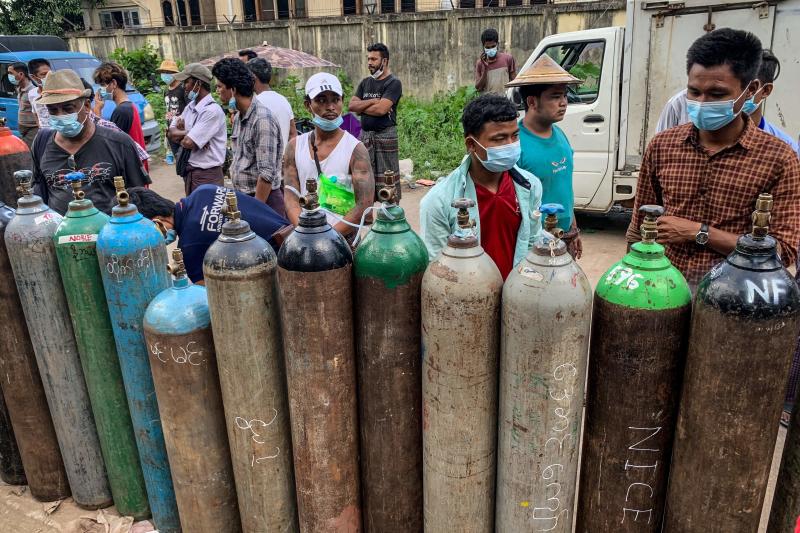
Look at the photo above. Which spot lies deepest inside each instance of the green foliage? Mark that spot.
(40, 17)
(141, 64)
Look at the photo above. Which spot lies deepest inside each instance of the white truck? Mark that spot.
(631, 72)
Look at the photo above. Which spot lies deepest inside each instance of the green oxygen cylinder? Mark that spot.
(75, 241)
(389, 266)
(640, 327)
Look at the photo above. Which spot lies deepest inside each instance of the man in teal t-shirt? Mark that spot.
(546, 152)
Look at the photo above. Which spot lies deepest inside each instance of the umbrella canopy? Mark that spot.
(278, 58)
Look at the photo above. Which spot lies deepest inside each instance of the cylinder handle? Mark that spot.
(463, 205)
(24, 181)
(232, 206)
(649, 228)
(310, 201)
(75, 179)
(762, 216)
(178, 268)
(122, 194)
(551, 219)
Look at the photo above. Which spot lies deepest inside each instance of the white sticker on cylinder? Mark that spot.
(44, 218)
(84, 237)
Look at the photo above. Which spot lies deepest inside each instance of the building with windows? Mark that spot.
(119, 14)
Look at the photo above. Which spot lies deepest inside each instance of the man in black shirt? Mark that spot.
(75, 143)
(376, 101)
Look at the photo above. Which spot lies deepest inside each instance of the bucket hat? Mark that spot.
(62, 86)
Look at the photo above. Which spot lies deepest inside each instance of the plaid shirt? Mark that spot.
(257, 148)
(141, 152)
(720, 190)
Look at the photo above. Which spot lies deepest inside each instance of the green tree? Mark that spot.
(40, 17)
(141, 64)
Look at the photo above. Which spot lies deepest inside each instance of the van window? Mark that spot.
(583, 60)
(85, 67)
(6, 89)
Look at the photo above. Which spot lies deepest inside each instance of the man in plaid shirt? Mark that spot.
(256, 137)
(707, 174)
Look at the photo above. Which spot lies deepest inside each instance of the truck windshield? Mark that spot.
(85, 67)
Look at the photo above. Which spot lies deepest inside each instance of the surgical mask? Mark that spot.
(712, 116)
(193, 93)
(67, 125)
(105, 94)
(490, 52)
(170, 237)
(327, 125)
(378, 73)
(13, 80)
(167, 78)
(750, 106)
(500, 158)
(232, 104)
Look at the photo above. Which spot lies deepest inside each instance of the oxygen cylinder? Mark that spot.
(29, 240)
(642, 307)
(11, 470)
(75, 241)
(240, 270)
(177, 327)
(315, 294)
(744, 328)
(547, 309)
(23, 391)
(133, 263)
(389, 265)
(461, 293)
(14, 155)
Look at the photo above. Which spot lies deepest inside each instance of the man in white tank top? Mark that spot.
(338, 152)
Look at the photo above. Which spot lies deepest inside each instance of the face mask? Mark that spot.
(170, 237)
(327, 125)
(232, 103)
(378, 73)
(13, 80)
(193, 93)
(500, 158)
(105, 94)
(490, 52)
(167, 78)
(750, 106)
(67, 125)
(711, 116)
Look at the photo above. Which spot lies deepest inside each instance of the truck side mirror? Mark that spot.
(516, 99)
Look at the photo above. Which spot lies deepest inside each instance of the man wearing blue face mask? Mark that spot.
(329, 151)
(507, 198)
(494, 68)
(27, 122)
(73, 142)
(707, 174)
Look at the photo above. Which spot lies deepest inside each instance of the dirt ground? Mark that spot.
(603, 245)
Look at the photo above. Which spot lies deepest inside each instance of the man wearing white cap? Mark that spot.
(328, 152)
(73, 142)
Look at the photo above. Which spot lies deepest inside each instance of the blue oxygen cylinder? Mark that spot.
(133, 263)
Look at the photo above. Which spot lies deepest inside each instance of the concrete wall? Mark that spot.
(431, 52)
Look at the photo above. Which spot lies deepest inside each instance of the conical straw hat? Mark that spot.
(543, 71)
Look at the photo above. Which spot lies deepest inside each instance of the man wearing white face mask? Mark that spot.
(494, 68)
(507, 198)
(708, 174)
(328, 151)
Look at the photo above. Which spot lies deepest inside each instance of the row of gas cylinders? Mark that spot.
(321, 391)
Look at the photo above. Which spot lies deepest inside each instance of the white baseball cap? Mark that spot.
(321, 82)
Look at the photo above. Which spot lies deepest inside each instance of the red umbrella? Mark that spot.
(278, 58)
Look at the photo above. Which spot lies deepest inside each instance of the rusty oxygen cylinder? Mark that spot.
(389, 265)
(177, 328)
(640, 325)
(29, 240)
(315, 292)
(240, 271)
(23, 391)
(11, 469)
(547, 311)
(14, 156)
(461, 292)
(744, 328)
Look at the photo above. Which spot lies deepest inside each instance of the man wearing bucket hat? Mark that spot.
(174, 95)
(546, 152)
(73, 142)
(200, 130)
(331, 152)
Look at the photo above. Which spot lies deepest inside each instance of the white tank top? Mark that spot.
(336, 164)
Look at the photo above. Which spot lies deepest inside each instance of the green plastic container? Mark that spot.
(334, 196)
(75, 242)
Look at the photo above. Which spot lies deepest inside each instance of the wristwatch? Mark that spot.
(702, 236)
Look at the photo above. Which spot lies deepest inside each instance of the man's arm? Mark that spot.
(207, 125)
(363, 187)
(268, 152)
(383, 106)
(177, 129)
(512, 68)
(480, 73)
(357, 105)
(785, 221)
(291, 179)
(292, 130)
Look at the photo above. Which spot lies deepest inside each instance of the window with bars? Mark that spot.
(128, 18)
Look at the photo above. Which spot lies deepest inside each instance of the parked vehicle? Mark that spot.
(630, 72)
(25, 48)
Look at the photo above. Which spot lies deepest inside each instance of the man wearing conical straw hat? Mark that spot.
(546, 152)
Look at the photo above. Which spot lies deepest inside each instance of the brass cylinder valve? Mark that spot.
(462, 217)
(762, 216)
(177, 268)
(24, 181)
(649, 228)
(550, 225)
(311, 199)
(122, 194)
(232, 207)
(388, 191)
(75, 179)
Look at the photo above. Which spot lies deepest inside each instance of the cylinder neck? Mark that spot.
(80, 208)
(312, 219)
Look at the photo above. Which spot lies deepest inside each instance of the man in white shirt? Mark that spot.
(39, 68)
(277, 104)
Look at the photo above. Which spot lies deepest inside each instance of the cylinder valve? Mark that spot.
(177, 269)
(761, 216)
(649, 229)
(551, 212)
(75, 179)
(122, 194)
(310, 201)
(24, 181)
(387, 193)
(232, 206)
(463, 205)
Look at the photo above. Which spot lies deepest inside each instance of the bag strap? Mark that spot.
(314, 149)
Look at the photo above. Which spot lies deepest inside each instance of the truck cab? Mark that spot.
(631, 72)
(84, 65)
